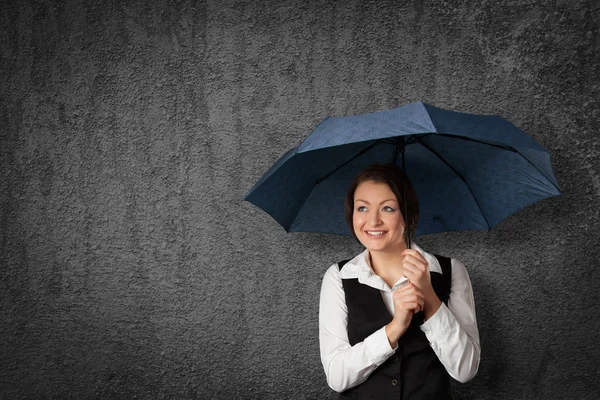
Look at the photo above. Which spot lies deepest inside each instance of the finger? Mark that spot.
(413, 274)
(417, 262)
(412, 306)
(404, 288)
(420, 295)
(411, 269)
(417, 298)
(414, 253)
(409, 298)
(398, 294)
(421, 304)
(407, 289)
(407, 304)
(415, 303)
(404, 297)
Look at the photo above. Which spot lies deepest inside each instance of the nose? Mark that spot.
(375, 218)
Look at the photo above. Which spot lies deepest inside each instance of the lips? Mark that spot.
(375, 234)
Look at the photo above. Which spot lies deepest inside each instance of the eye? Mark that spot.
(389, 209)
(361, 209)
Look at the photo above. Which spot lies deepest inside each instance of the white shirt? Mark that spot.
(452, 331)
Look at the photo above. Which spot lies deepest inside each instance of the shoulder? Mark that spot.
(458, 268)
(352, 268)
(460, 276)
(332, 277)
(332, 289)
(333, 272)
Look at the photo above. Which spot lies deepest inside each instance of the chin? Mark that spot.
(377, 248)
(374, 246)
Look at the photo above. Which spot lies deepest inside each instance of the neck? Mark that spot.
(385, 262)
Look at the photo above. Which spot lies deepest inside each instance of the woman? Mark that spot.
(394, 322)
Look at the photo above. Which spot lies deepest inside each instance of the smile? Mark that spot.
(375, 233)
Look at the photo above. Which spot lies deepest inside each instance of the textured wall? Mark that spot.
(129, 266)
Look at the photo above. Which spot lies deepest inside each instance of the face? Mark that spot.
(377, 219)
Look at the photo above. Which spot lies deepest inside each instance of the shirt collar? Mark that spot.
(359, 268)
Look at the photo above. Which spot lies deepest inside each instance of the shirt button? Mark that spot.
(395, 358)
(394, 382)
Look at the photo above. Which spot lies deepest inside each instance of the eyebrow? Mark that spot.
(385, 201)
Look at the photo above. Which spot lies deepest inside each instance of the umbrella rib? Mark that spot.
(508, 148)
(476, 141)
(328, 175)
(347, 161)
(457, 174)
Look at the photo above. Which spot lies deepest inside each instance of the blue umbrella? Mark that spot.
(469, 171)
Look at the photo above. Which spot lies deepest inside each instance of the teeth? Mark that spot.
(375, 233)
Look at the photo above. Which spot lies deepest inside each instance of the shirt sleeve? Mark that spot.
(345, 366)
(452, 331)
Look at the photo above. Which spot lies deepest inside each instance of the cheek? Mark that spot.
(357, 221)
(395, 223)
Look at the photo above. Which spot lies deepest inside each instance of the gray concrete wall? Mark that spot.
(130, 267)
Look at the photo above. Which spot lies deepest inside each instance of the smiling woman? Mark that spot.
(394, 322)
(391, 183)
(376, 216)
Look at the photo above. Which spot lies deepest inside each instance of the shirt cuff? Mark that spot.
(439, 324)
(378, 346)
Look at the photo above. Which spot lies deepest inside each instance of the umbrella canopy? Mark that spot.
(469, 171)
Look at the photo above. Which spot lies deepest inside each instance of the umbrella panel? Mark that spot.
(324, 207)
(410, 119)
(457, 183)
(445, 201)
(501, 181)
(283, 190)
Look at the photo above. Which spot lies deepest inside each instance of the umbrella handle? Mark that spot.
(406, 233)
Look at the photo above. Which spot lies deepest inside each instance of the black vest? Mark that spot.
(414, 372)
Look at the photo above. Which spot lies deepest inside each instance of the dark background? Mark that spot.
(130, 131)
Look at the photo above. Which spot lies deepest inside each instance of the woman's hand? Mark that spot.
(408, 300)
(416, 269)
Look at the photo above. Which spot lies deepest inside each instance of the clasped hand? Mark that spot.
(416, 269)
(416, 296)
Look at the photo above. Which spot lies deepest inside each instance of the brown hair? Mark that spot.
(395, 178)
